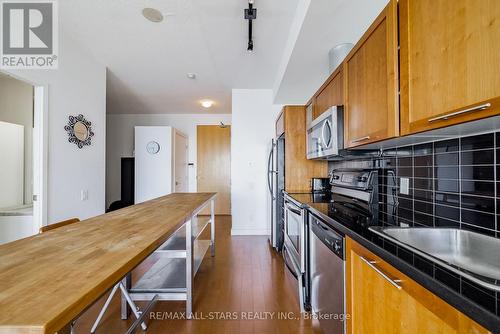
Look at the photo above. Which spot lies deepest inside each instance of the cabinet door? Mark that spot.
(299, 170)
(448, 65)
(372, 301)
(331, 94)
(381, 299)
(371, 83)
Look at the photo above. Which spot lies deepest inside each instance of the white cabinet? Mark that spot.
(160, 162)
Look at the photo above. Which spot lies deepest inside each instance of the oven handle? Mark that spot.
(297, 212)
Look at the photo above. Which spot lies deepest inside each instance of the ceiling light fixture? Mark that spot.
(207, 103)
(153, 15)
(191, 75)
(250, 15)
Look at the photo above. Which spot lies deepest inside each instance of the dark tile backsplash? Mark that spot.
(453, 183)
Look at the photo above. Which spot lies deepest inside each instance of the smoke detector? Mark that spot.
(153, 15)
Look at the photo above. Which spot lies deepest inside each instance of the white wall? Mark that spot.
(120, 141)
(77, 87)
(254, 116)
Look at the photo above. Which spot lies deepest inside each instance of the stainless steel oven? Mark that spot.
(294, 250)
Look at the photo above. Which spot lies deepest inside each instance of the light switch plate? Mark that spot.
(84, 195)
(404, 186)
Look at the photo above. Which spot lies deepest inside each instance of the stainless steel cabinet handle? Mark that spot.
(460, 112)
(289, 208)
(371, 264)
(357, 140)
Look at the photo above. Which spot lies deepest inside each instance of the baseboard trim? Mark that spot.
(238, 231)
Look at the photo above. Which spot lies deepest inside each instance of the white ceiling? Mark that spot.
(325, 24)
(148, 62)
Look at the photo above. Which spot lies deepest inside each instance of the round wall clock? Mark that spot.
(153, 147)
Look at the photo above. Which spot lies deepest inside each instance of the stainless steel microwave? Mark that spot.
(325, 135)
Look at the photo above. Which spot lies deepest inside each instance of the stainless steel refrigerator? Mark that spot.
(276, 185)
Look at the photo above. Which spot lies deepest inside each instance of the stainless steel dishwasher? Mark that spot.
(327, 267)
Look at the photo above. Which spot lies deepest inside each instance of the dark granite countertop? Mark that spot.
(479, 304)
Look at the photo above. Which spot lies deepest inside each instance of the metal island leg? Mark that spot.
(178, 259)
(125, 310)
(189, 269)
(212, 228)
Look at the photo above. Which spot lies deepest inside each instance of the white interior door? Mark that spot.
(153, 162)
(181, 163)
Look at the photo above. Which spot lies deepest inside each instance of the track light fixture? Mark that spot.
(250, 15)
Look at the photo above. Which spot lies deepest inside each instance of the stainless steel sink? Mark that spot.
(472, 255)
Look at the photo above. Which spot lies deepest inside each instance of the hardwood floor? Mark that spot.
(245, 279)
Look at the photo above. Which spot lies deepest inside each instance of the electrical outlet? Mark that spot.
(84, 195)
(404, 186)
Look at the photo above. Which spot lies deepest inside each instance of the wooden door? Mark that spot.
(330, 94)
(181, 178)
(214, 164)
(371, 83)
(378, 306)
(450, 62)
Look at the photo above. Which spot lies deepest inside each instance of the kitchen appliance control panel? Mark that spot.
(351, 178)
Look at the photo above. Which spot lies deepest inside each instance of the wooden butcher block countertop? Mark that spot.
(48, 279)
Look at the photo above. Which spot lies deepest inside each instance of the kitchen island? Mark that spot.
(47, 280)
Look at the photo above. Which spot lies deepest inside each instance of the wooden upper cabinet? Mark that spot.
(371, 83)
(381, 299)
(330, 94)
(299, 170)
(450, 62)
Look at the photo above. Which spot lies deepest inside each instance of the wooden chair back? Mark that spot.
(57, 225)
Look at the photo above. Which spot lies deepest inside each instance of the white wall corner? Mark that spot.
(295, 28)
(254, 116)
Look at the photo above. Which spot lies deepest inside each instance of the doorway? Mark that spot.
(181, 184)
(214, 164)
(23, 174)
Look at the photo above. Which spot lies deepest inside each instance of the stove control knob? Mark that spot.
(336, 246)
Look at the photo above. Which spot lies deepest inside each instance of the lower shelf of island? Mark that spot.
(167, 277)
